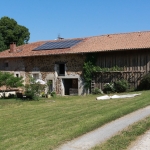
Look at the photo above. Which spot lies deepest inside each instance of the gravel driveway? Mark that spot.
(105, 132)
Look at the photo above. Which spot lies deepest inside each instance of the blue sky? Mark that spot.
(45, 19)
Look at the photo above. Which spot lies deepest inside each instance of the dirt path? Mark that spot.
(142, 143)
(105, 132)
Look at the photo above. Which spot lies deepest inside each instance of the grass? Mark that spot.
(124, 139)
(47, 123)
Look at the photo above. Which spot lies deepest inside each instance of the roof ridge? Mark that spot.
(58, 40)
(118, 33)
(90, 36)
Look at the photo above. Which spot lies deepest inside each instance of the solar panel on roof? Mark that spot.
(58, 44)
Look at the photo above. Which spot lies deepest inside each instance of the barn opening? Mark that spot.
(70, 86)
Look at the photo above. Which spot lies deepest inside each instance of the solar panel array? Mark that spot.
(60, 44)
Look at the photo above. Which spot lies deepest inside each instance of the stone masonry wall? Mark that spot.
(45, 65)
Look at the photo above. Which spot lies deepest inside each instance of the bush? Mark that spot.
(53, 94)
(11, 95)
(145, 83)
(97, 91)
(118, 86)
(109, 88)
(121, 85)
(32, 91)
(30, 95)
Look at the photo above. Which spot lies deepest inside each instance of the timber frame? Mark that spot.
(101, 78)
(134, 64)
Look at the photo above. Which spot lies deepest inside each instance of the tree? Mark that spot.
(10, 31)
(9, 81)
(2, 44)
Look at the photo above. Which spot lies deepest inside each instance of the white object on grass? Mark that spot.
(103, 97)
(116, 96)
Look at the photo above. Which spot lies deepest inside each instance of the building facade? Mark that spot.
(61, 61)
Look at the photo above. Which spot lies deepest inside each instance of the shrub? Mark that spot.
(42, 94)
(30, 95)
(109, 88)
(53, 94)
(145, 83)
(97, 91)
(11, 95)
(121, 85)
(33, 89)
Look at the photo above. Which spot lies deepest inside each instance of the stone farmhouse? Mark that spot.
(61, 61)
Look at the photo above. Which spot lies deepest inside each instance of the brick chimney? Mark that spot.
(12, 47)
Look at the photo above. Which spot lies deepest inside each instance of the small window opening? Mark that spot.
(62, 69)
(6, 64)
(36, 76)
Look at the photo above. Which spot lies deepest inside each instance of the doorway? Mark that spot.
(50, 85)
(70, 86)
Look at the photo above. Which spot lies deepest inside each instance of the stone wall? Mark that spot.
(46, 67)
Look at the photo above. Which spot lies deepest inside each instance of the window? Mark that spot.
(61, 69)
(6, 64)
(35, 76)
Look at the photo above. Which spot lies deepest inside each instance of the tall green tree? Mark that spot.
(11, 31)
(2, 44)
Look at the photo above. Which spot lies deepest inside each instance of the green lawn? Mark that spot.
(45, 124)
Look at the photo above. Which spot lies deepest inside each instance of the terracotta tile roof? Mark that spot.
(112, 42)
